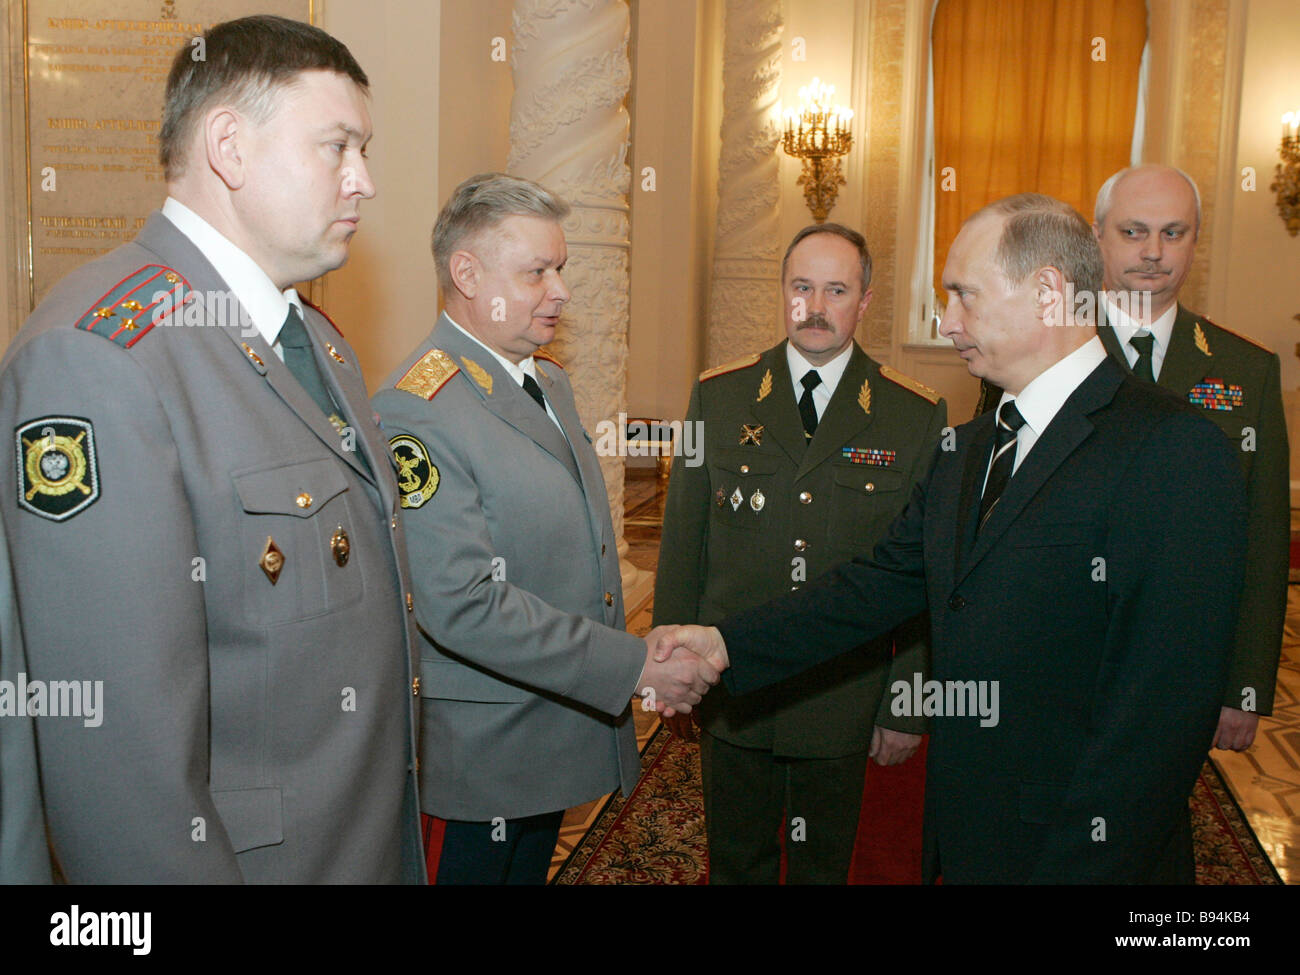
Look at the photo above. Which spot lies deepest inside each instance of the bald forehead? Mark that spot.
(1154, 191)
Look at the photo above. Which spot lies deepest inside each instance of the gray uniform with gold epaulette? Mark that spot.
(769, 509)
(526, 671)
(186, 526)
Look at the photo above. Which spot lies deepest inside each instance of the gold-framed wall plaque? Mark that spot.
(84, 159)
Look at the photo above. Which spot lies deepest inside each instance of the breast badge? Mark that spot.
(757, 500)
(58, 473)
(417, 477)
(751, 434)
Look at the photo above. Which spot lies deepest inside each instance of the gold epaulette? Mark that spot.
(1244, 338)
(543, 354)
(428, 375)
(908, 383)
(744, 362)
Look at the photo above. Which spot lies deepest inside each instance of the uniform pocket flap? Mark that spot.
(450, 680)
(746, 461)
(252, 817)
(290, 489)
(865, 479)
(1040, 802)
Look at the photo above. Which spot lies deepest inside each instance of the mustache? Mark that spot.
(815, 320)
(1154, 269)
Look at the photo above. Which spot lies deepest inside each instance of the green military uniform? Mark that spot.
(767, 510)
(1237, 384)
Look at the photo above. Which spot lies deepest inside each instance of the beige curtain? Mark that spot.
(1024, 103)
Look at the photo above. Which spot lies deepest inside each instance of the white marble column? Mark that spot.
(744, 298)
(569, 132)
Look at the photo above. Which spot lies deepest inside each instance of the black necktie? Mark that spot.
(807, 411)
(1145, 344)
(302, 363)
(1004, 459)
(535, 391)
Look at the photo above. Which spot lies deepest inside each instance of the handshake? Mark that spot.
(681, 664)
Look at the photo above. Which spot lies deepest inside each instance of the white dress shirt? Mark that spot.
(1042, 399)
(1126, 327)
(830, 375)
(265, 304)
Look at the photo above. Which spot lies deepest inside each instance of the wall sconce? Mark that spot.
(1287, 182)
(819, 135)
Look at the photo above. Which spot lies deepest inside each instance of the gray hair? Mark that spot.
(839, 230)
(482, 202)
(1102, 206)
(246, 63)
(1042, 231)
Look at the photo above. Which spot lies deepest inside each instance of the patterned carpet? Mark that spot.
(657, 836)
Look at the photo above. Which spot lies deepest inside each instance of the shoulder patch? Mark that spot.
(429, 374)
(543, 354)
(320, 311)
(1245, 338)
(58, 472)
(910, 384)
(417, 475)
(133, 306)
(744, 362)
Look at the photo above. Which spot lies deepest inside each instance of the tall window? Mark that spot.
(1027, 96)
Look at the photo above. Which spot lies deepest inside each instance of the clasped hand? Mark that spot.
(682, 663)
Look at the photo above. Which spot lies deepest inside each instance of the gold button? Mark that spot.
(868, 487)
(800, 545)
(303, 500)
(415, 687)
(410, 603)
(744, 468)
(805, 497)
(609, 599)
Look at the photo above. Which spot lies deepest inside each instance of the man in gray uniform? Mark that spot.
(201, 513)
(526, 671)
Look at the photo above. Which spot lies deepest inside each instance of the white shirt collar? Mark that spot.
(517, 371)
(1126, 327)
(265, 304)
(1042, 399)
(830, 373)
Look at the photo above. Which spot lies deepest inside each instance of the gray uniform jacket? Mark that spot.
(525, 673)
(24, 857)
(168, 466)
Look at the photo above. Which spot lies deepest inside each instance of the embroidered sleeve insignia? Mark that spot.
(417, 477)
(58, 475)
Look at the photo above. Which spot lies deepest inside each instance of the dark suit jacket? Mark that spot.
(1103, 618)
(716, 558)
(1256, 428)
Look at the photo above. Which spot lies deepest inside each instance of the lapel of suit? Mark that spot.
(844, 417)
(972, 480)
(502, 395)
(560, 396)
(1111, 341)
(1069, 428)
(174, 248)
(778, 411)
(1185, 365)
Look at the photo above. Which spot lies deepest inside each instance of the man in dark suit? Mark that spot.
(1079, 630)
(526, 670)
(201, 512)
(826, 465)
(1146, 221)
